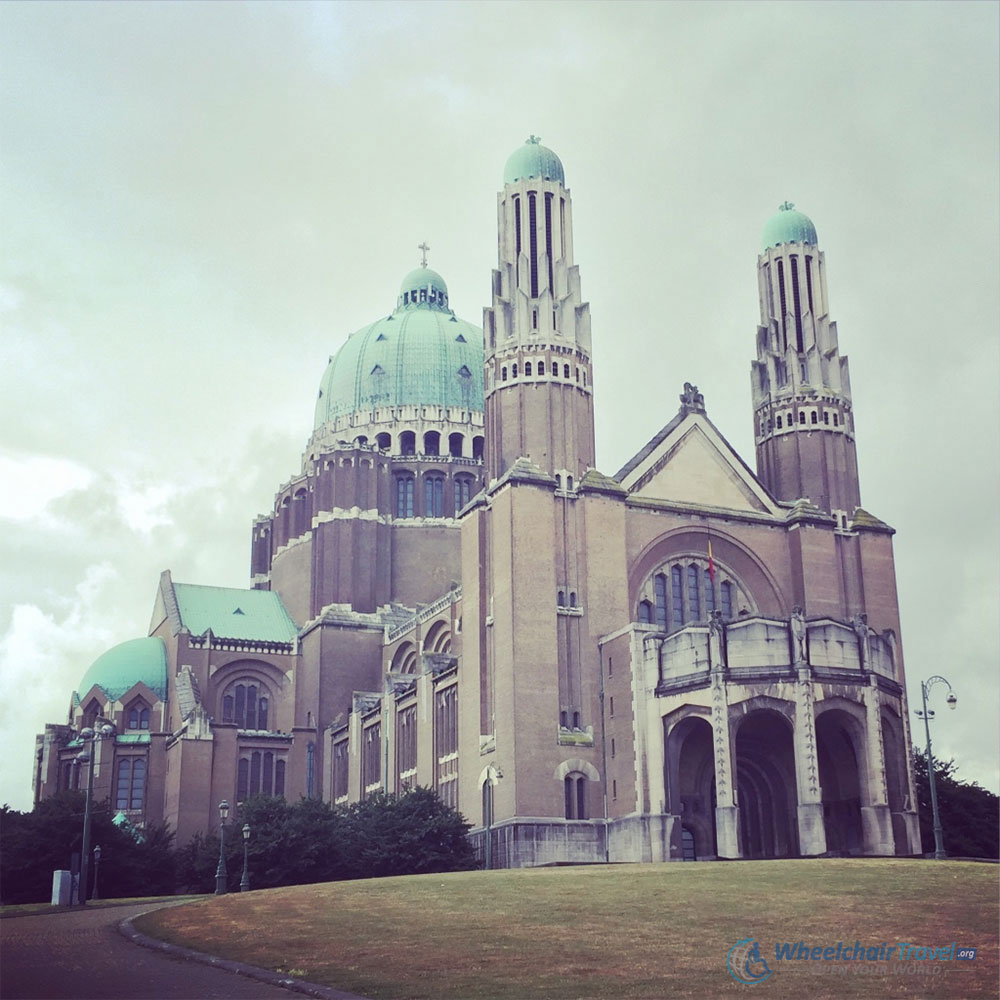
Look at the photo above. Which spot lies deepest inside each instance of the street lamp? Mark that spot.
(245, 881)
(927, 714)
(220, 872)
(97, 862)
(93, 737)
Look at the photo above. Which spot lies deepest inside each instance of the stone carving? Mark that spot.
(717, 641)
(798, 628)
(806, 709)
(720, 728)
(692, 401)
(860, 625)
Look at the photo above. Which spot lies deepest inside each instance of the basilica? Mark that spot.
(683, 659)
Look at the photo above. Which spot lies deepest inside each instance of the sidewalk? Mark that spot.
(79, 954)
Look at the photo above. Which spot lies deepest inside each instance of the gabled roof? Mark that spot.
(690, 462)
(251, 615)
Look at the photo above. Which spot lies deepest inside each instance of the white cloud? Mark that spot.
(28, 483)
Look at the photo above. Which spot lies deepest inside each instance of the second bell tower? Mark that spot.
(539, 382)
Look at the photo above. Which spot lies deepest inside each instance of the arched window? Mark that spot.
(694, 594)
(527, 367)
(456, 443)
(245, 703)
(408, 443)
(726, 593)
(404, 496)
(660, 589)
(433, 496)
(477, 447)
(137, 716)
(463, 491)
(676, 596)
(130, 788)
(513, 370)
(258, 774)
(575, 791)
(503, 374)
(384, 442)
(813, 418)
(779, 423)
(565, 371)
(541, 367)
(91, 713)
(645, 612)
(709, 595)
(802, 416)
(432, 443)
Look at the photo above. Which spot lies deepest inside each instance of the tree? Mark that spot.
(970, 814)
(34, 844)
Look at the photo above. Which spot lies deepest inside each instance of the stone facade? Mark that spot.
(683, 660)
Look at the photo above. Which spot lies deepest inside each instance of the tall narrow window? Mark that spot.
(517, 229)
(227, 708)
(279, 777)
(404, 496)
(463, 492)
(694, 594)
(340, 770)
(575, 794)
(709, 595)
(562, 227)
(262, 713)
(809, 283)
(242, 779)
(660, 589)
(446, 745)
(798, 307)
(726, 593)
(267, 774)
(781, 293)
(310, 770)
(541, 367)
(255, 773)
(251, 707)
(433, 496)
(645, 613)
(124, 783)
(533, 243)
(548, 236)
(138, 784)
(676, 596)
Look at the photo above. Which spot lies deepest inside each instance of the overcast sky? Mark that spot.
(200, 202)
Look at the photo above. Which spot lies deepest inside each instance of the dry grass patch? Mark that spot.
(628, 931)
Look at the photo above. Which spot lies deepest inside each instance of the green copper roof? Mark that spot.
(126, 664)
(253, 615)
(421, 354)
(533, 160)
(788, 226)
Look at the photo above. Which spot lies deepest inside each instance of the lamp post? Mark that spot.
(927, 714)
(245, 881)
(93, 737)
(97, 863)
(220, 872)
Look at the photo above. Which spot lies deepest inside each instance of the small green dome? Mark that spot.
(424, 277)
(126, 664)
(533, 160)
(788, 226)
(422, 354)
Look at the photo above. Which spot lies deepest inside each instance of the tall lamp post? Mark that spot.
(97, 862)
(220, 872)
(93, 737)
(245, 881)
(927, 714)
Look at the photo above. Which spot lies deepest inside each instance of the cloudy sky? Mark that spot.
(200, 202)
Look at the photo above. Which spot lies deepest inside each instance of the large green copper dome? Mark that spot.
(533, 160)
(421, 354)
(788, 226)
(116, 670)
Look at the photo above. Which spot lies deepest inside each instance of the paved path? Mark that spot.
(80, 955)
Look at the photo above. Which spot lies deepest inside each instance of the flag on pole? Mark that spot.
(711, 562)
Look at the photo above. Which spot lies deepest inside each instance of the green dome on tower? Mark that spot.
(533, 160)
(422, 354)
(788, 226)
(128, 663)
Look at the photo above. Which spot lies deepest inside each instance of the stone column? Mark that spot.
(876, 820)
(910, 817)
(812, 830)
(727, 826)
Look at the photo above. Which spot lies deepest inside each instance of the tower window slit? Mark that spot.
(533, 244)
(798, 308)
(548, 235)
(781, 294)
(809, 283)
(562, 227)
(517, 227)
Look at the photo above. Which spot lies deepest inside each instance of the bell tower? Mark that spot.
(539, 382)
(803, 419)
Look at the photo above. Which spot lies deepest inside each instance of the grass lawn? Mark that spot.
(624, 931)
